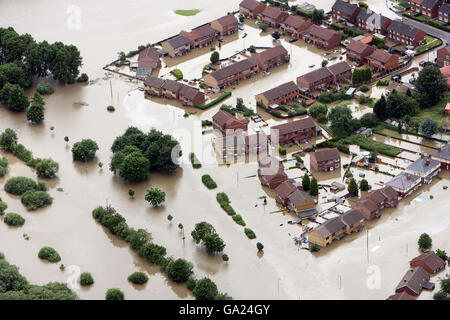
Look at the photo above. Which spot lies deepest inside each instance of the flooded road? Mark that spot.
(283, 271)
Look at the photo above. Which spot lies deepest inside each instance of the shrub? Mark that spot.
(14, 219)
(238, 219)
(314, 247)
(153, 253)
(178, 74)
(282, 150)
(83, 78)
(8, 140)
(139, 238)
(3, 166)
(179, 270)
(225, 257)
(34, 200)
(47, 168)
(259, 246)
(317, 109)
(114, 294)
(250, 234)
(364, 185)
(22, 153)
(364, 88)
(138, 278)
(84, 150)
(3, 207)
(208, 181)
(86, 279)
(195, 162)
(20, 185)
(50, 254)
(442, 254)
(205, 289)
(155, 196)
(190, 283)
(110, 108)
(44, 88)
(424, 242)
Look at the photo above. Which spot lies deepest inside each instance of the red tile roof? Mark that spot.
(380, 55)
(227, 20)
(431, 260)
(301, 124)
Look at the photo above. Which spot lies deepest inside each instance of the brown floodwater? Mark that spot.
(283, 271)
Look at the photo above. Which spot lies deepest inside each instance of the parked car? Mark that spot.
(293, 40)
(359, 64)
(332, 58)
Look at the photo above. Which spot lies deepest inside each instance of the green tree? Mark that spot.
(50, 254)
(214, 57)
(431, 85)
(442, 254)
(341, 120)
(263, 27)
(400, 105)
(47, 168)
(317, 16)
(114, 294)
(139, 238)
(324, 63)
(445, 284)
(306, 182)
(314, 189)
(225, 257)
(14, 73)
(429, 127)
(369, 120)
(131, 193)
(35, 114)
(205, 289)
(260, 246)
(179, 270)
(317, 109)
(86, 279)
(380, 108)
(440, 295)
(84, 150)
(8, 140)
(155, 196)
(14, 97)
(135, 167)
(10, 278)
(66, 62)
(364, 185)
(213, 243)
(138, 278)
(424, 242)
(353, 188)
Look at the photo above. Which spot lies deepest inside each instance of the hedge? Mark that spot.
(250, 234)
(208, 181)
(238, 219)
(214, 102)
(372, 145)
(429, 21)
(195, 162)
(224, 202)
(14, 219)
(50, 254)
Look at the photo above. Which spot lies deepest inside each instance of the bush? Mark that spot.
(3, 207)
(44, 88)
(195, 162)
(138, 278)
(23, 153)
(86, 279)
(8, 140)
(14, 219)
(155, 196)
(224, 202)
(317, 109)
(190, 284)
(178, 74)
(250, 234)
(179, 270)
(208, 181)
(214, 102)
(259, 246)
(238, 219)
(205, 289)
(442, 254)
(153, 253)
(364, 88)
(34, 200)
(3, 166)
(50, 254)
(364, 185)
(282, 150)
(110, 108)
(424, 242)
(314, 247)
(19, 185)
(114, 294)
(84, 150)
(47, 168)
(83, 78)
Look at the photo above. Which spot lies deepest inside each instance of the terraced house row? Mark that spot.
(323, 77)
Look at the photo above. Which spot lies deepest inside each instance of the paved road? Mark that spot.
(445, 36)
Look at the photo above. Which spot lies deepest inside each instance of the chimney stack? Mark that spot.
(408, 176)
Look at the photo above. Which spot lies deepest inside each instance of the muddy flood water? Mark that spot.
(342, 271)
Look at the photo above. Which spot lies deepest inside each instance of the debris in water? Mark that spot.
(60, 189)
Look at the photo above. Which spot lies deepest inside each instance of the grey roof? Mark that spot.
(178, 41)
(172, 85)
(403, 28)
(307, 213)
(402, 182)
(443, 153)
(423, 165)
(345, 7)
(154, 82)
(445, 8)
(317, 75)
(234, 69)
(280, 91)
(330, 227)
(351, 217)
(370, 17)
(298, 197)
(414, 279)
(339, 68)
(294, 126)
(429, 4)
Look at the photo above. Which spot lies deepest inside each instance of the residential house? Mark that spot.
(381, 60)
(200, 37)
(294, 24)
(340, 71)
(153, 86)
(148, 60)
(171, 89)
(251, 8)
(443, 156)
(231, 74)
(191, 97)
(272, 16)
(226, 122)
(327, 232)
(317, 79)
(405, 34)
(345, 10)
(414, 281)
(405, 184)
(284, 190)
(321, 37)
(177, 46)
(427, 8)
(444, 13)
(401, 296)
(373, 202)
(372, 22)
(325, 159)
(272, 57)
(294, 131)
(279, 95)
(443, 56)
(430, 261)
(424, 167)
(358, 51)
(446, 72)
(226, 25)
(353, 219)
(301, 203)
(272, 178)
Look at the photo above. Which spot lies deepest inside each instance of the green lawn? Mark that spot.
(372, 145)
(436, 113)
(191, 12)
